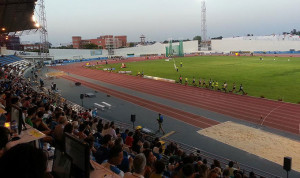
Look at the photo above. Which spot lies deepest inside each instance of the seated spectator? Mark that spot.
(218, 171)
(159, 168)
(231, 168)
(124, 135)
(69, 128)
(157, 150)
(188, 170)
(90, 112)
(30, 115)
(203, 171)
(150, 162)
(226, 173)
(129, 139)
(94, 124)
(75, 128)
(81, 130)
(100, 126)
(137, 141)
(115, 158)
(90, 141)
(117, 130)
(111, 131)
(58, 131)
(94, 112)
(112, 124)
(4, 139)
(86, 115)
(213, 174)
(42, 127)
(238, 174)
(88, 131)
(27, 102)
(127, 161)
(103, 151)
(105, 129)
(139, 164)
(171, 149)
(252, 175)
(217, 163)
(24, 161)
(146, 145)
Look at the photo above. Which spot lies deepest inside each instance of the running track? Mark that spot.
(278, 115)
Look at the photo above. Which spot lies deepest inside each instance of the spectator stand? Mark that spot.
(186, 148)
(224, 161)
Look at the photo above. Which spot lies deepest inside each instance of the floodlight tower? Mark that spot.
(143, 42)
(203, 22)
(44, 45)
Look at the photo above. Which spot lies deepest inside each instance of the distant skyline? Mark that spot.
(159, 20)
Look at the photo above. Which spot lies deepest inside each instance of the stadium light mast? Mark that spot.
(203, 23)
(44, 45)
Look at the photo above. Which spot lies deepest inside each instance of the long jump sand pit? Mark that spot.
(55, 74)
(255, 141)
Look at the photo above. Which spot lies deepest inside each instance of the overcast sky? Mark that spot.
(163, 19)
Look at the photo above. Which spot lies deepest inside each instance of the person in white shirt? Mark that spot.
(105, 129)
(109, 130)
(139, 164)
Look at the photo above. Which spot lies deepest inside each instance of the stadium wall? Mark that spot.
(253, 45)
(76, 53)
(157, 48)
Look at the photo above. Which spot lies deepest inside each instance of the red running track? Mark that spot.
(278, 115)
(186, 117)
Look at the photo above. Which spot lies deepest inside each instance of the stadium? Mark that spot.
(220, 108)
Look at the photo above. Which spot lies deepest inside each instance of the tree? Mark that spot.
(131, 44)
(198, 38)
(217, 38)
(65, 47)
(90, 46)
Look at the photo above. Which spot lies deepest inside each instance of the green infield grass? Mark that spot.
(277, 79)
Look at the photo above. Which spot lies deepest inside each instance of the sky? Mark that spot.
(160, 20)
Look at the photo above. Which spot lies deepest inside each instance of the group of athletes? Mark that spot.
(213, 85)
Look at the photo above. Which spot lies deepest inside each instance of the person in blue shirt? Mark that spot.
(124, 135)
(94, 112)
(103, 151)
(160, 121)
(115, 158)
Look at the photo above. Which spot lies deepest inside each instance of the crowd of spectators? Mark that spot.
(127, 153)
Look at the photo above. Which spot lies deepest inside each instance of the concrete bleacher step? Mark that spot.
(106, 105)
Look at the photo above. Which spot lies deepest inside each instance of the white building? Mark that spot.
(257, 43)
